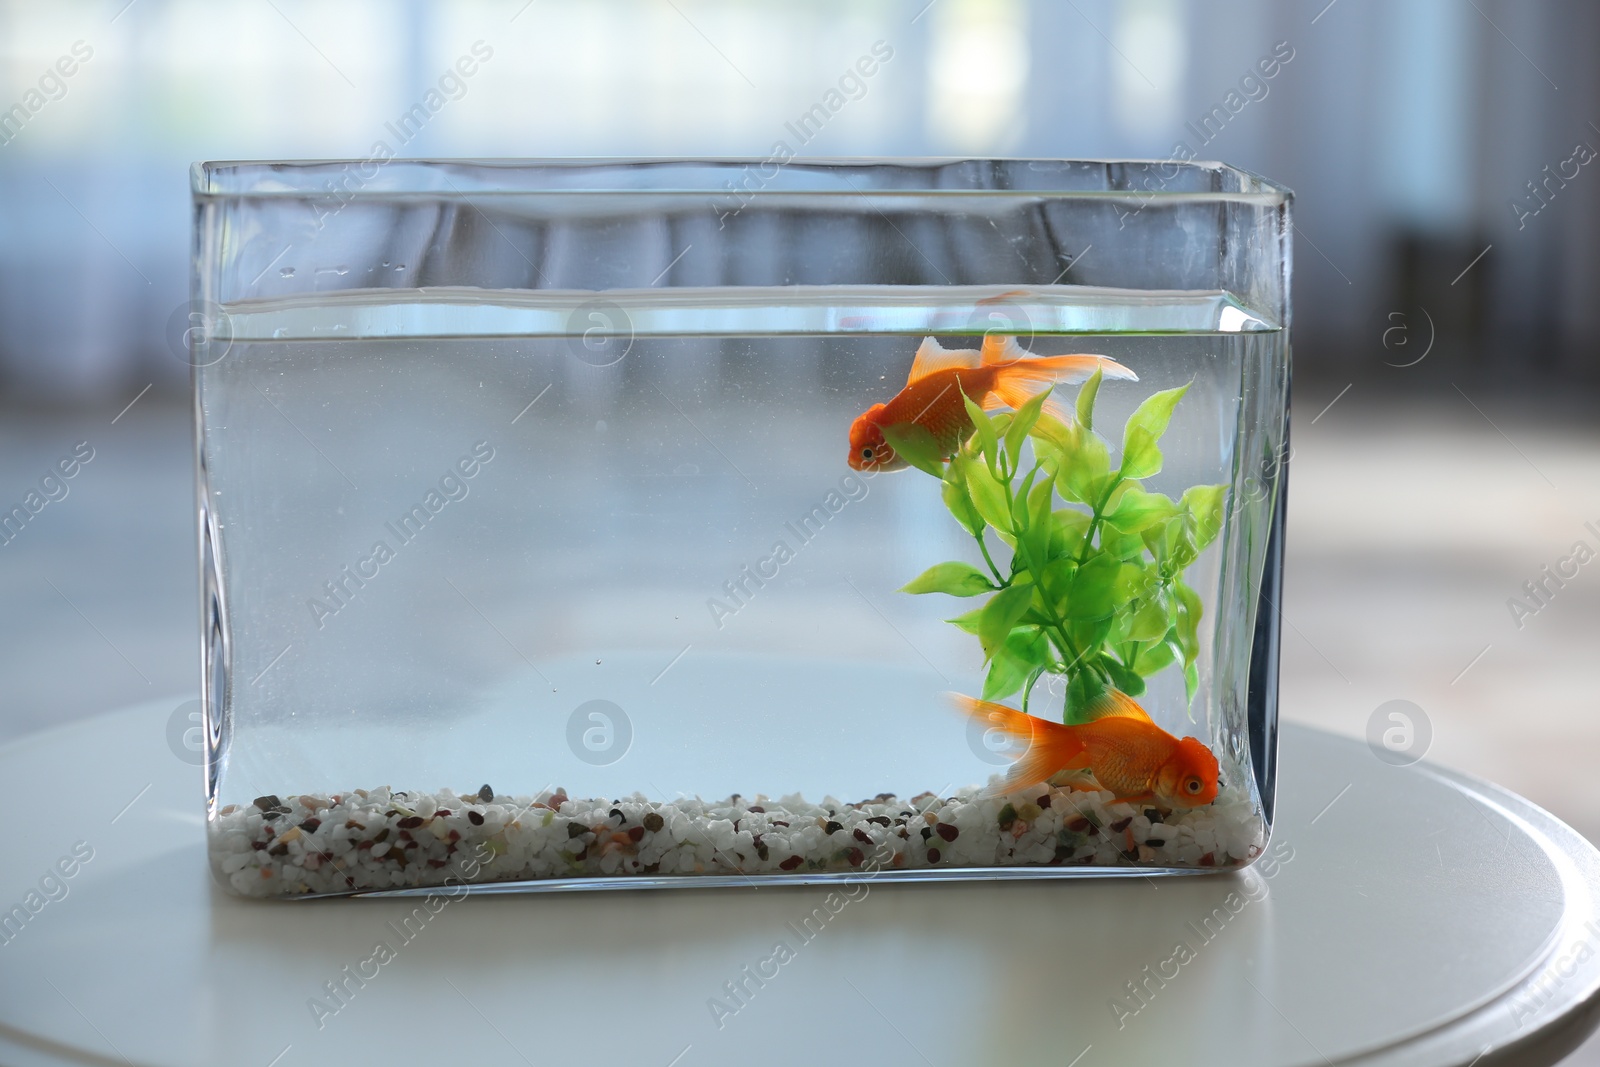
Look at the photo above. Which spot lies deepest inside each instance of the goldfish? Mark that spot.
(1001, 374)
(1120, 746)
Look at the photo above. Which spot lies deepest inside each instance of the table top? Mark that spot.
(1399, 916)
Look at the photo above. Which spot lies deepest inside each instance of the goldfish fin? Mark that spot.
(999, 349)
(1019, 377)
(1005, 353)
(1114, 703)
(1009, 393)
(1050, 745)
(933, 357)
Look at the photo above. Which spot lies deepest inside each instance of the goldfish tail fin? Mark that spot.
(1050, 745)
(933, 357)
(1019, 376)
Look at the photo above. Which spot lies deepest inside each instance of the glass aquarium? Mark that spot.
(645, 523)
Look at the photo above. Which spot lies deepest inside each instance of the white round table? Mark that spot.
(1410, 916)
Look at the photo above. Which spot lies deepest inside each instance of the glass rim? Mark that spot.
(267, 179)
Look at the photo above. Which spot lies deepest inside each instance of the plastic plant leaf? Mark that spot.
(916, 445)
(1124, 679)
(988, 439)
(1021, 519)
(1023, 421)
(968, 621)
(1204, 502)
(1191, 683)
(1052, 438)
(1121, 545)
(1083, 690)
(988, 495)
(1187, 622)
(1001, 613)
(1156, 657)
(1150, 620)
(1041, 525)
(959, 501)
(954, 578)
(1083, 474)
(1091, 596)
(1086, 398)
(1067, 529)
(1141, 457)
(1138, 510)
(1020, 655)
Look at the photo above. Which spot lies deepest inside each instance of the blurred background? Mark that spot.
(1447, 266)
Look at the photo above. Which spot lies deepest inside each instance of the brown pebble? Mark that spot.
(833, 827)
(310, 825)
(861, 835)
(636, 834)
(475, 818)
(410, 823)
(576, 829)
(758, 808)
(1080, 825)
(270, 802)
(791, 863)
(1208, 860)
(1044, 801)
(485, 794)
(854, 856)
(946, 831)
(1121, 824)
(933, 855)
(654, 822)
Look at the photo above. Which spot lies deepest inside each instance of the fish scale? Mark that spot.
(1122, 764)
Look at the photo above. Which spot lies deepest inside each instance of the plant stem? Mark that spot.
(984, 548)
(1095, 517)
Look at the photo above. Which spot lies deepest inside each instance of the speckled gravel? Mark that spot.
(374, 840)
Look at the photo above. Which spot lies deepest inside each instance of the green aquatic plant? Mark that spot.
(1093, 590)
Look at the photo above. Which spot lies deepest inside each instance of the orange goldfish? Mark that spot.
(1128, 754)
(1002, 374)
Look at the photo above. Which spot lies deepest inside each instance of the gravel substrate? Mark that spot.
(379, 839)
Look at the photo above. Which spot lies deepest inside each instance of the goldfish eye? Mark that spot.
(866, 453)
(1193, 785)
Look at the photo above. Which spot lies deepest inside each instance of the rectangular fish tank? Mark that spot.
(599, 524)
